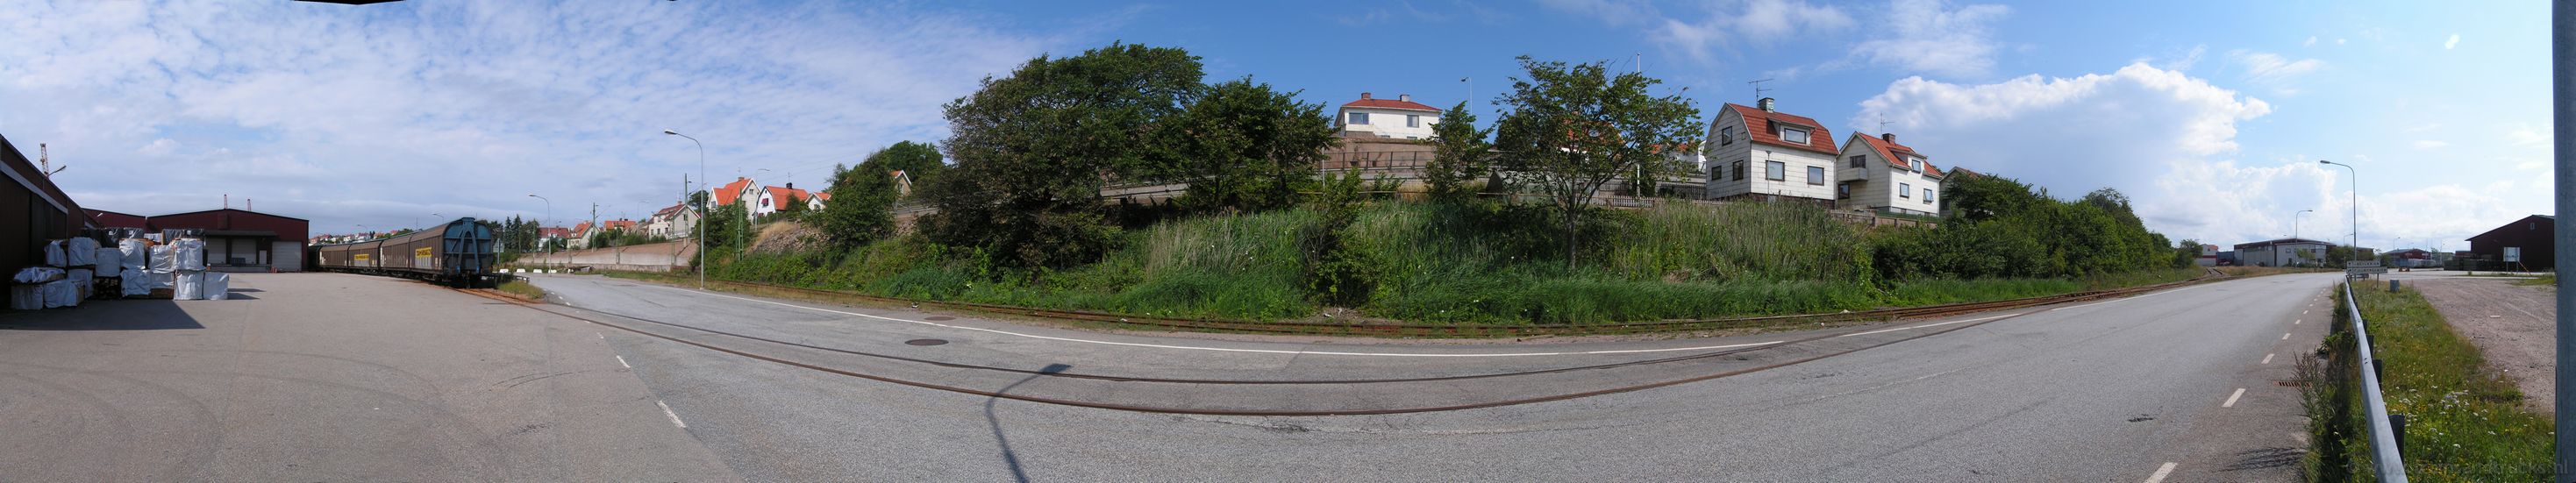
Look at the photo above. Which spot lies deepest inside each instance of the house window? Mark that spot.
(764, 202)
(1793, 135)
(1905, 190)
(1411, 120)
(1816, 175)
(1726, 135)
(1927, 196)
(1842, 191)
(1856, 160)
(1775, 171)
(1359, 118)
(1914, 164)
(1739, 170)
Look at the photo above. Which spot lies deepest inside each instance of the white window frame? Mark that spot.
(1775, 171)
(1802, 135)
(1359, 118)
(1412, 120)
(1905, 190)
(1927, 195)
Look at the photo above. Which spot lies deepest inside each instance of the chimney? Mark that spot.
(791, 185)
(1765, 103)
(1890, 137)
(1364, 96)
(1404, 97)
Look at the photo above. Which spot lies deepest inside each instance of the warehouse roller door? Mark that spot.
(286, 256)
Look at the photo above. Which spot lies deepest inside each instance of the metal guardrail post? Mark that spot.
(2384, 455)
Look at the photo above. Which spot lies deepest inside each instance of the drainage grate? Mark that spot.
(938, 318)
(926, 341)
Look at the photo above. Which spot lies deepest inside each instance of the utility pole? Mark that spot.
(2562, 54)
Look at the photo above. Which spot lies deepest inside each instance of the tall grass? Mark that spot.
(2463, 424)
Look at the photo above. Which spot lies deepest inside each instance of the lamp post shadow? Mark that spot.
(1012, 458)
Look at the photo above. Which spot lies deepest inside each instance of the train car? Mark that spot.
(457, 253)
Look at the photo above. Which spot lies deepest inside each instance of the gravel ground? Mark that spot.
(2509, 323)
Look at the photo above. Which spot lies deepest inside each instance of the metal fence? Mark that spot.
(2384, 457)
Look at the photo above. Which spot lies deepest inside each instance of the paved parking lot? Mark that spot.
(328, 377)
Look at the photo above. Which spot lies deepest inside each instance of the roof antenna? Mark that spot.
(1882, 124)
(1757, 88)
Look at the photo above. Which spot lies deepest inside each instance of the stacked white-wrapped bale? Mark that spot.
(165, 271)
(135, 266)
(57, 284)
(189, 283)
(27, 289)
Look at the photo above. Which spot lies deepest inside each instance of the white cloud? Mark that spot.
(2429, 144)
(2312, 42)
(1926, 36)
(2187, 60)
(2454, 42)
(2525, 135)
(1719, 26)
(2273, 70)
(2338, 41)
(2155, 134)
(375, 115)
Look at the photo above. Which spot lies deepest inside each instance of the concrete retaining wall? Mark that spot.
(656, 257)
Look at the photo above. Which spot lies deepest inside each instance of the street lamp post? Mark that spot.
(2294, 223)
(2356, 205)
(701, 233)
(541, 224)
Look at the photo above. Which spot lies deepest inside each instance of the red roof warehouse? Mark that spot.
(32, 210)
(236, 240)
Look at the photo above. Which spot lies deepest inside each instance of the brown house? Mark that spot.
(2525, 244)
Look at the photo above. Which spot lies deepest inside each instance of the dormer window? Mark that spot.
(1793, 135)
(1914, 164)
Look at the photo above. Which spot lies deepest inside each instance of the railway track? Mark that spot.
(1691, 367)
(1458, 330)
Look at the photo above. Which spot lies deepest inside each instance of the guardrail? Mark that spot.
(2384, 456)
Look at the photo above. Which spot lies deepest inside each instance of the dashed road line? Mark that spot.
(2231, 398)
(2267, 358)
(621, 360)
(2285, 336)
(675, 417)
(2161, 472)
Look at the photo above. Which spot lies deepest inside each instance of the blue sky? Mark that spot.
(2209, 114)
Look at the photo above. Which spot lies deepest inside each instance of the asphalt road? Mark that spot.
(2182, 385)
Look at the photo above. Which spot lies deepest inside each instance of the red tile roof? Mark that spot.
(727, 194)
(1894, 154)
(781, 194)
(628, 225)
(668, 212)
(1758, 123)
(583, 227)
(1372, 103)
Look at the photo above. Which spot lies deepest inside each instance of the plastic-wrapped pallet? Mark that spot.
(33, 275)
(138, 252)
(80, 279)
(191, 253)
(26, 297)
(137, 284)
(61, 293)
(217, 283)
(54, 254)
(165, 259)
(190, 286)
(80, 252)
(111, 262)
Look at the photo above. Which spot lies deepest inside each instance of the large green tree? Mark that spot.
(863, 197)
(1245, 146)
(1572, 128)
(1033, 150)
(1459, 155)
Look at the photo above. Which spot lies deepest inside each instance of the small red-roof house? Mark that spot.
(772, 198)
(1877, 174)
(1762, 154)
(735, 191)
(1399, 118)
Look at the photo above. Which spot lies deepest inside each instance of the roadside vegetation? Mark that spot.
(2463, 423)
(523, 289)
(1258, 236)
(2548, 280)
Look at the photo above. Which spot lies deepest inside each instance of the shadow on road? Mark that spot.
(129, 314)
(1017, 474)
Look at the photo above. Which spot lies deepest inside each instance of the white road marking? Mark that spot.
(2285, 336)
(2161, 471)
(675, 417)
(2231, 398)
(2303, 312)
(2267, 358)
(2297, 321)
(1227, 349)
(1926, 325)
(621, 360)
(601, 336)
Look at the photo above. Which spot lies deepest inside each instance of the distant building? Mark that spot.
(110, 219)
(2527, 244)
(675, 221)
(34, 210)
(2208, 256)
(1761, 154)
(1400, 118)
(2282, 252)
(773, 199)
(1878, 174)
(243, 240)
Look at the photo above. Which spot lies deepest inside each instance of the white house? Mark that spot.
(1400, 118)
(1878, 174)
(1759, 153)
(771, 198)
(676, 221)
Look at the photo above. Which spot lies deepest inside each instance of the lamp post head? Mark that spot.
(670, 132)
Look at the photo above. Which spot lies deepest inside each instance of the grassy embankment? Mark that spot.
(2463, 424)
(2550, 280)
(1480, 264)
